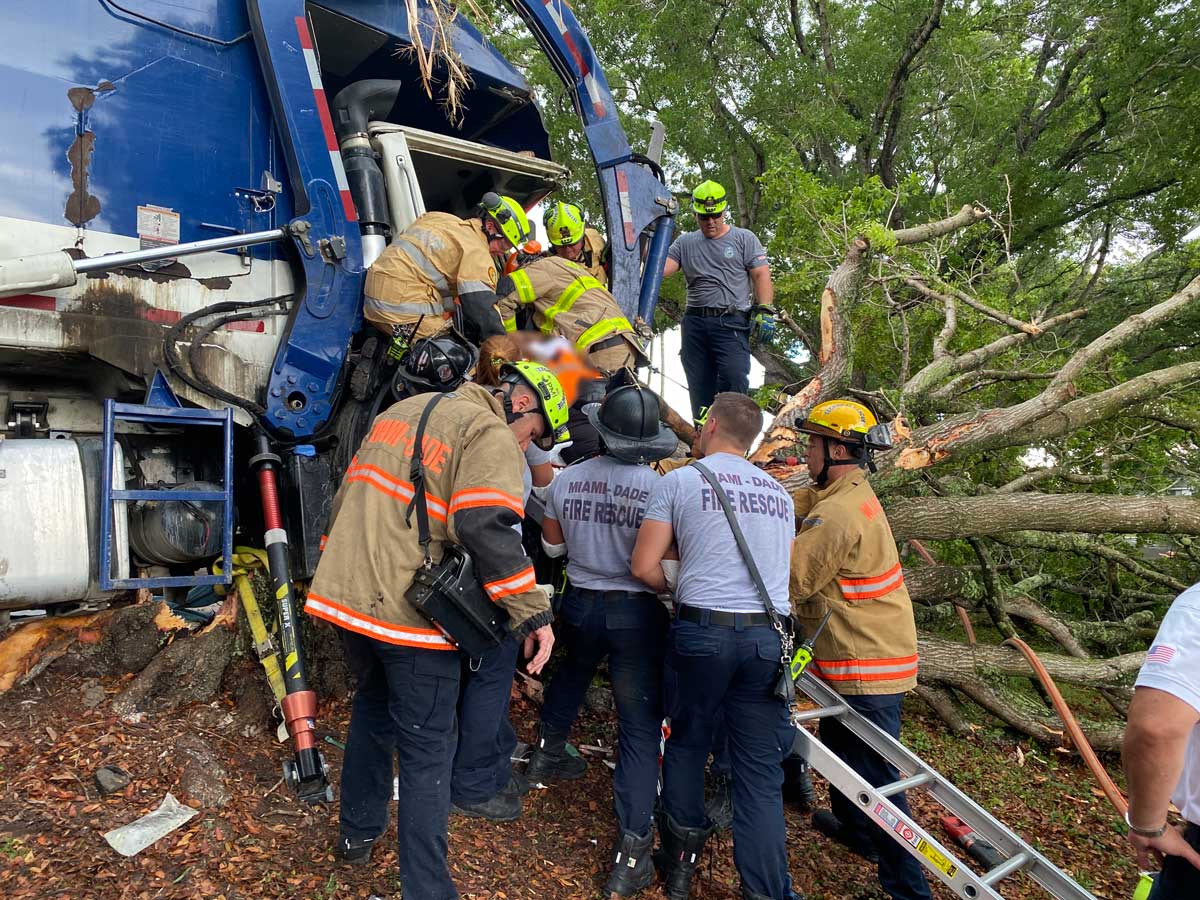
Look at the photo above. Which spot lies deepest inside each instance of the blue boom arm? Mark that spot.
(307, 367)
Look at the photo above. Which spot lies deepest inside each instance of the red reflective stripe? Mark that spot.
(30, 301)
(514, 584)
(324, 541)
(476, 497)
(873, 580)
(302, 29)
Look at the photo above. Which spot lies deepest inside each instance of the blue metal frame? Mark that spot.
(163, 408)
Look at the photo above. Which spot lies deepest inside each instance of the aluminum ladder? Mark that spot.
(876, 804)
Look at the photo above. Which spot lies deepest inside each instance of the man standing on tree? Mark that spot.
(729, 292)
(1162, 752)
(844, 560)
(406, 671)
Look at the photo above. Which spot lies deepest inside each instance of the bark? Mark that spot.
(946, 518)
(943, 660)
(1084, 545)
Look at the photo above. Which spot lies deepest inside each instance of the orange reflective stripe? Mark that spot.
(344, 617)
(870, 588)
(473, 497)
(514, 584)
(891, 669)
(394, 487)
(324, 541)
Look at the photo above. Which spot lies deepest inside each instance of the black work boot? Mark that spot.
(549, 760)
(797, 784)
(504, 807)
(354, 851)
(831, 826)
(632, 867)
(678, 857)
(718, 804)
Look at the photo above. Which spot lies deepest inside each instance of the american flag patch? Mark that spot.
(1160, 653)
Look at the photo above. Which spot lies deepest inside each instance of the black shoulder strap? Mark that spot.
(763, 595)
(416, 474)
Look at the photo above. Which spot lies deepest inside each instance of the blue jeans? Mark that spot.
(628, 628)
(716, 357)
(486, 739)
(403, 704)
(716, 673)
(1179, 879)
(900, 875)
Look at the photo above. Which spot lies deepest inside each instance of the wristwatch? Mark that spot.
(1145, 832)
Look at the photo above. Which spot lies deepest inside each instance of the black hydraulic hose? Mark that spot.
(356, 104)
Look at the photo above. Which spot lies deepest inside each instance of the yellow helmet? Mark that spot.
(508, 215)
(552, 401)
(843, 420)
(708, 199)
(564, 224)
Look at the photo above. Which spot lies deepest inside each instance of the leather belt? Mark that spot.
(722, 618)
(612, 596)
(713, 311)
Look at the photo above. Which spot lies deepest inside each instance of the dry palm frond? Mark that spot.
(431, 44)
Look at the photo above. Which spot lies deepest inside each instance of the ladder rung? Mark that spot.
(1006, 868)
(905, 783)
(825, 712)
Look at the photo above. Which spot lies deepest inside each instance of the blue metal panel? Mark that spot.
(164, 415)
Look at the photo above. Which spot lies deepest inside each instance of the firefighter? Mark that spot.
(729, 296)
(723, 655)
(844, 559)
(407, 672)
(442, 268)
(572, 239)
(592, 515)
(559, 297)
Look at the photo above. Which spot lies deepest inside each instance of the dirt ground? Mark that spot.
(252, 840)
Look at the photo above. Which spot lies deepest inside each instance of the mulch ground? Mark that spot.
(263, 844)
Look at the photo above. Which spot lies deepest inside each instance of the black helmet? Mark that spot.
(437, 364)
(628, 421)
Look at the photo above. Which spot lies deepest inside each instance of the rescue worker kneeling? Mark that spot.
(442, 268)
(407, 671)
(561, 298)
(592, 515)
(844, 560)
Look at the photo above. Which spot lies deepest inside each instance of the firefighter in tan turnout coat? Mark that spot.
(844, 560)
(564, 299)
(407, 672)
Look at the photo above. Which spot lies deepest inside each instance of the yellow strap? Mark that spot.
(525, 291)
(567, 299)
(246, 559)
(601, 330)
(510, 324)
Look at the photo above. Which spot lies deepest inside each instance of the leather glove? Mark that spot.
(762, 323)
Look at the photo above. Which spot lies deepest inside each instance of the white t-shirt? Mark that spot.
(1173, 665)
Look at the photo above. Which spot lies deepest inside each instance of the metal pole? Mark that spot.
(134, 257)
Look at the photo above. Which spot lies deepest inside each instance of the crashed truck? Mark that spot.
(190, 195)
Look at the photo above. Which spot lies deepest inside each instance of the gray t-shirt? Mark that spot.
(599, 505)
(712, 573)
(717, 270)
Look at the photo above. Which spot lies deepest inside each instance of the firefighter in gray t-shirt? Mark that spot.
(592, 514)
(729, 293)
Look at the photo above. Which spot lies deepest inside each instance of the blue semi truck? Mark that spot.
(190, 194)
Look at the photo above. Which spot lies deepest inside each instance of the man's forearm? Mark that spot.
(764, 288)
(1153, 763)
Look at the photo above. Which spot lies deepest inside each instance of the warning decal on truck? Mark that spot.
(157, 226)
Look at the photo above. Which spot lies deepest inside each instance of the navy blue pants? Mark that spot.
(1179, 879)
(403, 704)
(714, 673)
(629, 629)
(716, 357)
(486, 739)
(900, 875)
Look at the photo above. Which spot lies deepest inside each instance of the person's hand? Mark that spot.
(1151, 851)
(762, 323)
(543, 640)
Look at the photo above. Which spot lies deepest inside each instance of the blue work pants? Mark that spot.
(486, 739)
(629, 629)
(900, 875)
(1179, 879)
(716, 357)
(716, 673)
(403, 704)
